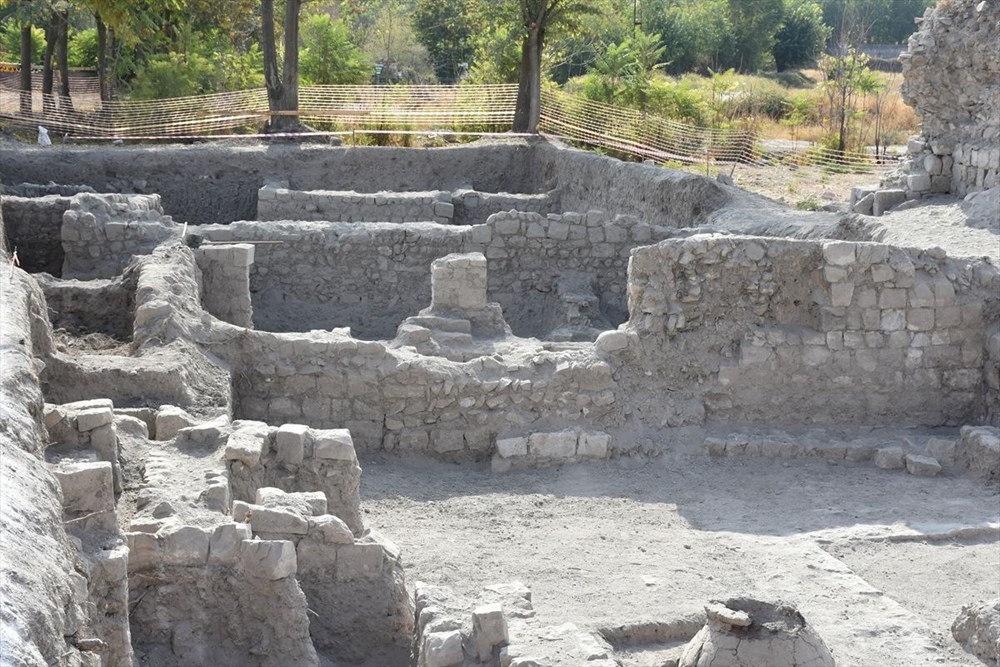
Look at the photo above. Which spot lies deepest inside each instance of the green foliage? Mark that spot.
(802, 35)
(83, 48)
(174, 75)
(240, 71)
(747, 45)
(692, 31)
(880, 21)
(496, 44)
(329, 56)
(445, 29)
(10, 42)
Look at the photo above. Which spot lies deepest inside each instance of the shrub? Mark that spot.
(10, 43)
(83, 48)
(174, 75)
(329, 56)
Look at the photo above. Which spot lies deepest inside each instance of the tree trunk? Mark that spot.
(26, 68)
(48, 102)
(529, 87)
(62, 56)
(282, 83)
(102, 59)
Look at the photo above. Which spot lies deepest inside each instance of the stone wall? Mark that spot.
(102, 233)
(32, 226)
(462, 207)
(225, 272)
(371, 276)
(92, 306)
(951, 73)
(336, 206)
(807, 332)
(208, 184)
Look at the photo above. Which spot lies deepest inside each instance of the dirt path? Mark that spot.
(604, 545)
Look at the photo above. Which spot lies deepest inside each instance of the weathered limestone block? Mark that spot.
(922, 466)
(225, 544)
(268, 559)
(245, 446)
(277, 521)
(458, 283)
(86, 487)
(978, 452)
(561, 445)
(890, 458)
(442, 649)
(507, 447)
(88, 420)
(359, 561)
(290, 443)
(335, 444)
(169, 420)
(330, 529)
(593, 445)
(186, 546)
(977, 629)
(489, 630)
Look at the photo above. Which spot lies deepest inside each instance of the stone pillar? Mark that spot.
(225, 271)
(458, 283)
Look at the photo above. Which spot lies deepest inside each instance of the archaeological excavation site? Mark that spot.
(506, 403)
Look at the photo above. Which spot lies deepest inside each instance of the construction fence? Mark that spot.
(477, 110)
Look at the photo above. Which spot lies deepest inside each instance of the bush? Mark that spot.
(174, 75)
(83, 48)
(329, 56)
(10, 43)
(801, 37)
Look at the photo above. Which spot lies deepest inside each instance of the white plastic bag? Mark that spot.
(43, 137)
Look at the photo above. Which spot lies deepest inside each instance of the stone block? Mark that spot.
(444, 442)
(217, 497)
(865, 205)
(334, 444)
(508, 447)
(330, 529)
(144, 550)
(942, 449)
(359, 561)
(185, 546)
(272, 520)
(593, 445)
(611, 341)
(839, 253)
(922, 466)
(169, 420)
(890, 458)
(246, 447)
(86, 487)
(444, 210)
(561, 445)
(442, 649)
(268, 559)
(841, 294)
(88, 420)
(290, 443)
(920, 182)
(224, 545)
(978, 452)
(886, 200)
(489, 630)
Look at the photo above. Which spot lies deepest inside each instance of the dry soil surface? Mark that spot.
(878, 562)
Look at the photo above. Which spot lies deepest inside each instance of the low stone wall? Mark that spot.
(371, 276)
(826, 332)
(33, 226)
(102, 233)
(942, 166)
(275, 203)
(461, 207)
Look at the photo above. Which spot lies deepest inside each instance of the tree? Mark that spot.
(445, 29)
(329, 57)
(801, 37)
(26, 52)
(537, 17)
(282, 84)
(754, 23)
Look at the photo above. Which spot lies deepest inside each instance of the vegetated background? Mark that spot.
(801, 70)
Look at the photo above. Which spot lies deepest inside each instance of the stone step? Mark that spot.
(437, 323)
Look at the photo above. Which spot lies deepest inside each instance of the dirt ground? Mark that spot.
(880, 563)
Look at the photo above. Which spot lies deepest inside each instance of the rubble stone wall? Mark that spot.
(32, 226)
(371, 276)
(951, 73)
(808, 332)
(225, 272)
(102, 233)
